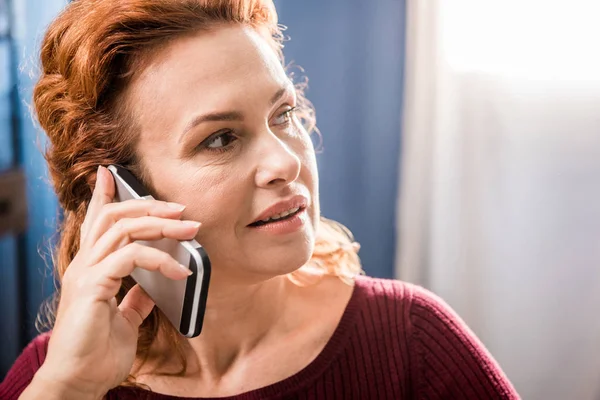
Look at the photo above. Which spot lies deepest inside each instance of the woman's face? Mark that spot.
(218, 134)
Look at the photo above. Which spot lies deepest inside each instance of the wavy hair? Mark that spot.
(88, 57)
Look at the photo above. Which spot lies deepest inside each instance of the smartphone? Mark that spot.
(182, 301)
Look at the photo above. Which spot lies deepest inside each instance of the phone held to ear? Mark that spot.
(182, 301)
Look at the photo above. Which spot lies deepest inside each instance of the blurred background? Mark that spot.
(461, 146)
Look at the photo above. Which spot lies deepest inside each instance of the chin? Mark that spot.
(283, 262)
(262, 264)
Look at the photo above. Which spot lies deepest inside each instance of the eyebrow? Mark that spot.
(228, 115)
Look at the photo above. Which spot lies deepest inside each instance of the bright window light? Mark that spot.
(526, 38)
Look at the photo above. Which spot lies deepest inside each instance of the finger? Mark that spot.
(128, 230)
(111, 213)
(122, 263)
(104, 192)
(106, 276)
(136, 306)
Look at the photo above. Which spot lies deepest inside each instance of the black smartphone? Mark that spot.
(182, 301)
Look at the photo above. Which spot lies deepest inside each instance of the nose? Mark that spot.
(278, 163)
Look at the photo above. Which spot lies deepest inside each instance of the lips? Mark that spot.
(281, 210)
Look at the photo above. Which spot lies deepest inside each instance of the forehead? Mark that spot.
(207, 71)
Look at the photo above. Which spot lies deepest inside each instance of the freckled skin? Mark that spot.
(228, 69)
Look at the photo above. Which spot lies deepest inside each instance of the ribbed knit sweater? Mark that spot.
(394, 341)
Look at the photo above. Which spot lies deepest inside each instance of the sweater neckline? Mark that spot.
(305, 376)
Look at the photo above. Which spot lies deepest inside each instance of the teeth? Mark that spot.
(282, 215)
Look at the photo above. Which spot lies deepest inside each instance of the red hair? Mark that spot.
(88, 56)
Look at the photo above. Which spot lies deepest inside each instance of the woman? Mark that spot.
(192, 96)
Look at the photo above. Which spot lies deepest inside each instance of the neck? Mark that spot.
(238, 318)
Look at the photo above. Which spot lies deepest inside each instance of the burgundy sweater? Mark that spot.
(394, 341)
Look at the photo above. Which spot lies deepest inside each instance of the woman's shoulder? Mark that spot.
(417, 315)
(38, 347)
(413, 299)
(411, 308)
(383, 307)
(25, 367)
(392, 291)
(447, 359)
(34, 354)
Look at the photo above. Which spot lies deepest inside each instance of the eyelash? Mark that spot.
(290, 113)
(204, 145)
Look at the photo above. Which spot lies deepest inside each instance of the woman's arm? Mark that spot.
(451, 361)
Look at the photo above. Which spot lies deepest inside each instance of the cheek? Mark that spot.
(309, 175)
(207, 192)
(309, 163)
(211, 195)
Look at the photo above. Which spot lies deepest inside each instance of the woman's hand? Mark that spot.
(93, 343)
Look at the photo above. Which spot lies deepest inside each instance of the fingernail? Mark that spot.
(192, 223)
(186, 269)
(176, 206)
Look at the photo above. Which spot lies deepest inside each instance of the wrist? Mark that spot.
(50, 387)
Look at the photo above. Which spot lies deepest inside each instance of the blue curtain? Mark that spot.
(9, 288)
(352, 52)
(25, 274)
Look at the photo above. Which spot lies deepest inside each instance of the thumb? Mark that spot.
(136, 306)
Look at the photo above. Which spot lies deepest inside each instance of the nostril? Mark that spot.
(276, 181)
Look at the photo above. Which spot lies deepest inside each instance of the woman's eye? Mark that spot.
(219, 141)
(285, 117)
